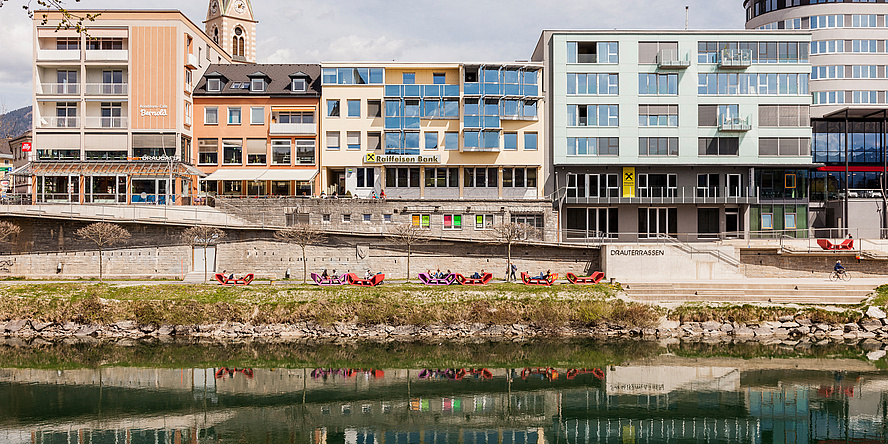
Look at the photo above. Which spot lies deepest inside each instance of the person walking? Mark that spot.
(513, 269)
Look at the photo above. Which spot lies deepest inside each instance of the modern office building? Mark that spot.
(256, 129)
(432, 130)
(849, 113)
(113, 107)
(657, 133)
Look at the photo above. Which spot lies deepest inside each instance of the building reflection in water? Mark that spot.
(683, 402)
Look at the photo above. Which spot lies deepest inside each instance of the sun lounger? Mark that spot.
(377, 279)
(593, 279)
(224, 280)
(329, 280)
(485, 279)
(528, 280)
(847, 244)
(427, 279)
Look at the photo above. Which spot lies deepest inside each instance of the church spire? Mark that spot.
(230, 24)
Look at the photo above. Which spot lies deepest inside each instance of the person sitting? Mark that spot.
(231, 277)
(838, 268)
(540, 276)
(373, 195)
(324, 274)
(323, 194)
(368, 274)
(548, 275)
(382, 194)
(438, 274)
(476, 275)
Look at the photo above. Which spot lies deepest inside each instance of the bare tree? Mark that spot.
(508, 233)
(8, 230)
(205, 237)
(408, 235)
(103, 235)
(68, 20)
(302, 235)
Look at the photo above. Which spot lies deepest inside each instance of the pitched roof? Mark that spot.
(279, 79)
(5, 147)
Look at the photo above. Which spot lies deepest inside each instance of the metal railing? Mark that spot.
(59, 89)
(671, 58)
(732, 123)
(107, 89)
(106, 122)
(59, 122)
(735, 58)
(666, 195)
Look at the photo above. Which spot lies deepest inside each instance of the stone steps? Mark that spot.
(739, 292)
(197, 277)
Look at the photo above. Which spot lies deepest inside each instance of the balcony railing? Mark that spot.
(59, 89)
(670, 58)
(731, 123)
(670, 195)
(58, 54)
(106, 122)
(292, 128)
(59, 122)
(735, 58)
(117, 55)
(191, 61)
(107, 89)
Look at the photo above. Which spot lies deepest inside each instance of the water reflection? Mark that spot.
(655, 400)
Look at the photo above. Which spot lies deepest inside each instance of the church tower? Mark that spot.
(230, 24)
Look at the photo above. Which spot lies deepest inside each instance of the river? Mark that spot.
(533, 392)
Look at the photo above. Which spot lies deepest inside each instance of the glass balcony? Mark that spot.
(472, 89)
(58, 54)
(102, 55)
(280, 129)
(107, 89)
(735, 58)
(106, 122)
(59, 122)
(671, 59)
(732, 123)
(59, 89)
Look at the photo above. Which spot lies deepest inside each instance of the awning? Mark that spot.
(292, 109)
(236, 174)
(257, 174)
(303, 175)
(107, 168)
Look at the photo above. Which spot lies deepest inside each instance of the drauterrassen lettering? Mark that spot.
(651, 252)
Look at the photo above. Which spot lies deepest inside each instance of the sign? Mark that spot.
(4, 183)
(153, 110)
(639, 252)
(395, 159)
(26, 147)
(153, 158)
(628, 181)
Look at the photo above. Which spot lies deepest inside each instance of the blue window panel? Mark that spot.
(571, 52)
(362, 76)
(377, 76)
(451, 108)
(530, 108)
(451, 90)
(472, 89)
(510, 76)
(471, 139)
(472, 121)
(510, 141)
(491, 107)
(408, 78)
(412, 90)
(531, 90)
(439, 79)
(354, 108)
(511, 90)
(490, 75)
(411, 123)
(393, 90)
(346, 76)
(490, 139)
(411, 108)
(572, 83)
(472, 107)
(392, 123)
(451, 141)
(529, 78)
(492, 88)
(431, 141)
(530, 141)
(329, 76)
(411, 142)
(431, 91)
(491, 122)
(393, 141)
(511, 108)
(393, 108)
(431, 108)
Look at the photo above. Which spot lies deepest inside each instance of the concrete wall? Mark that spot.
(667, 263)
(769, 264)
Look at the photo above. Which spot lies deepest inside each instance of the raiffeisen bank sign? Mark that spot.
(392, 159)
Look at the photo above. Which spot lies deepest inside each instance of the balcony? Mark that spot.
(191, 62)
(107, 55)
(106, 122)
(59, 89)
(107, 89)
(283, 129)
(59, 122)
(47, 55)
(733, 124)
(671, 59)
(735, 58)
(667, 196)
(478, 149)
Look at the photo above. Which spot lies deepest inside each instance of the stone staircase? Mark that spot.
(741, 292)
(197, 277)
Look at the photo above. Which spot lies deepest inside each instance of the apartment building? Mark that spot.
(695, 134)
(432, 130)
(113, 107)
(257, 129)
(849, 114)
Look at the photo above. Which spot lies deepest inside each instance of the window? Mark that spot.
(367, 218)
(784, 116)
(214, 85)
(451, 141)
(453, 222)
(408, 78)
(298, 85)
(519, 177)
(532, 220)
(431, 141)
(439, 78)
(441, 177)
(752, 84)
(657, 185)
(421, 220)
(789, 221)
(718, 146)
(510, 141)
(280, 152)
(402, 177)
(305, 152)
(346, 218)
(211, 115)
(256, 152)
(68, 43)
(784, 146)
(767, 221)
(658, 115)
(232, 151)
(325, 218)
(295, 117)
(354, 108)
(374, 108)
(332, 140)
(483, 221)
(658, 84)
(366, 177)
(593, 146)
(480, 178)
(111, 112)
(593, 115)
(649, 52)
(374, 141)
(593, 84)
(353, 140)
(188, 113)
(234, 115)
(386, 218)
(207, 151)
(530, 141)
(352, 76)
(257, 85)
(592, 52)
(333, 108)
(708, 185)
(658, 146)
(257, 115)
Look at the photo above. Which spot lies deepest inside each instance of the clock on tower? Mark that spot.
(230, 23)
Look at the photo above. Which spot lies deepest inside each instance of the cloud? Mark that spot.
(354, 47)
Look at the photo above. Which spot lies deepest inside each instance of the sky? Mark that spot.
(311, 31)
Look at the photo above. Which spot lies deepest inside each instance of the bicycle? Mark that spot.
(844, 275)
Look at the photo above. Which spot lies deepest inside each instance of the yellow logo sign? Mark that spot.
(628, 181)
(371, 157)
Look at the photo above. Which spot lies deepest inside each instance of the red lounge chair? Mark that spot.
(485, 279)
(372, 282)
(536, 281)
(223, 280)
(847, 244)
(593, 279)
(825, 244)
(427, 279)
(329, 280)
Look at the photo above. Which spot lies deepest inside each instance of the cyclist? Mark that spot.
(838, 268)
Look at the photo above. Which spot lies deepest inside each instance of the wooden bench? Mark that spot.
(528, 280)
(485, 279)
(377, 279)
(224, 280)
(847, 244)
(593, 279)
(427, 279)
(329, 281)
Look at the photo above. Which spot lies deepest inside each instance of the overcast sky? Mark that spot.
(309, 31)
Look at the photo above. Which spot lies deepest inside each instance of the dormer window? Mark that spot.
(257, 85)
(299, 85)
(214, 85)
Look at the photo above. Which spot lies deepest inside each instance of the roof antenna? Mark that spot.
(686, 16)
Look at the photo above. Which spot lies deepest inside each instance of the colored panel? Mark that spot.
(628, 181)
(155, 75)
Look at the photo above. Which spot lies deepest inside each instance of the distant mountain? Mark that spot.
(15, 123)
